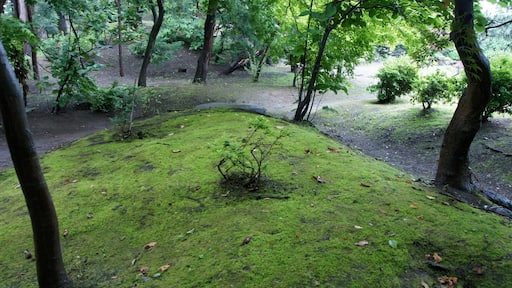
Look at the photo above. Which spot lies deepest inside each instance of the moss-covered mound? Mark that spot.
(152, 212)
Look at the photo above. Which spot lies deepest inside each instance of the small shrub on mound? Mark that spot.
(396, 78)
(243, 161)
(501, 101)
(435, 88)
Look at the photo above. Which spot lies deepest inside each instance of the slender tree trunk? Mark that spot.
(119, 37)
(49, 263)
(453, 168)
(151, 44)
(260, 63)
(33, 48)
(204, 58)
(304, 104)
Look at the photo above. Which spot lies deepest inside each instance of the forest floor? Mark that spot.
(417, 154)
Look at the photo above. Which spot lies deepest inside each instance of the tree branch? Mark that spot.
(489, 27)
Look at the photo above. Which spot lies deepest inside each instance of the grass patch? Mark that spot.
(116, 196)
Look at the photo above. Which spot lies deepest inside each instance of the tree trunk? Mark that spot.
(260, 63)
(33, 48)
(63, 23)
(2, 4)
(49, 263)
(204, 58)
(304, 104)
(119, 37)
(151, 44)
(453, 168)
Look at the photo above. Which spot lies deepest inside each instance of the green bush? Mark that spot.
(162, 51)
(242, 162)
(396, 78)
(501, 101)
(435, 88)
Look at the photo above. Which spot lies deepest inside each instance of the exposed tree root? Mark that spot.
(482, 199)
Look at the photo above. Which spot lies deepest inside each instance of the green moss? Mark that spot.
(165, 188)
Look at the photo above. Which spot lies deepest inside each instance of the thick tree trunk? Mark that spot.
(120, 37)
(49, 263)
(151, 44)
(63, 23)
(453, 168)
(209, 28)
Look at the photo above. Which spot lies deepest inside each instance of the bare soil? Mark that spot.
(418, 156)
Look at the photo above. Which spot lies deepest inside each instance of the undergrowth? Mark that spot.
(150, 213)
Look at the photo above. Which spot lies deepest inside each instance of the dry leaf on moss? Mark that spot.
(437, 258)
(165, 267)
(414, 206)
(448, 282)
(150, 245)
(319, 179)
(333, 150)
(362, 243)
(424, 285)
(144, 270)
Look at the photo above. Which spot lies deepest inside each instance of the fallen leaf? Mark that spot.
(176, 151)
(246, 240)
(358, 227)
(89, 215)
(297, 235)
(308, 151)
(421, 217)
(333, 150)
(150, 245)
(65, 233)
(365, 185)
(428, 256)
(448, 282)
(165, 267)
(408, 182)
(383, 212)
(437, 258)
(414, 206)
(362, 243)
(393, 243)
(424, 285)
(182, 126)
(144, 270)
(279, 127)
(319, 179)
(431, 197)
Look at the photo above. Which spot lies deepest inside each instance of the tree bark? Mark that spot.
(209, 28)
(260, 63)
(33, 48)
(151, 44)
(119, 37)
(49, 263)
(63, 23)
(453, 167)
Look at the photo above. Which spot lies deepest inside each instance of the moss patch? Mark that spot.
(114, 197)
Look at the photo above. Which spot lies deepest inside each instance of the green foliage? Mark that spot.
(396, 78)
(501, 101)
(162, 51)
(187, 30)
(71, 64)
(14, 35)
(244, 161)
(435, 88)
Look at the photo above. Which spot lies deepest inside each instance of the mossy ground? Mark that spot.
(113, 197)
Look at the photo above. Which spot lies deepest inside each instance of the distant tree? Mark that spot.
(49, 263)
(209, 28)
(453, 166)
(151, 43)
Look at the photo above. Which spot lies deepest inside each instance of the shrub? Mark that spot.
(242, 162)
(501, 101)
(162, 51)
(435, 88)
(396, 78)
